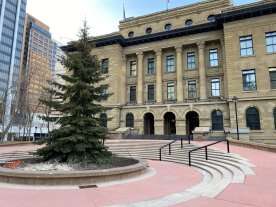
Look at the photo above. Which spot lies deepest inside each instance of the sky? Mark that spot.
(65, 17)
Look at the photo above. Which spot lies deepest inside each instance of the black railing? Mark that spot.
(206, 150)
(170, 147)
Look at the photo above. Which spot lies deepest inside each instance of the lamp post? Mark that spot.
(35, 133)
(235, 99)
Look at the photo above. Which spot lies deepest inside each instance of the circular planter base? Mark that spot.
(84, 178)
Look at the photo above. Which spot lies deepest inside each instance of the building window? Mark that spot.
(211, 18)
(213, 58)
(130, 120)
(272, 74)
(131, 34)
(170, 92)
(274, 116)
(168, 27)
(103, 120)
(215, 87)
(217, 120)
(270, 42)
(246, 46)
(170, 63)
(104, 66)
(151, 66)
(132, 94)
(151, 94)
(149, 30)
(191, 61)
(188, 23)
(253, 119)
(192, 91)
(249, 80)
(132, 68)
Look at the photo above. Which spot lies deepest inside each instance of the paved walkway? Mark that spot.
(257, 191)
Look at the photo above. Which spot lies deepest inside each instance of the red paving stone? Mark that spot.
(169, 178)
(257, 191)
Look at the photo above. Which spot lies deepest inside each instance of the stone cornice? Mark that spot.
(235, 15)
(173, 13)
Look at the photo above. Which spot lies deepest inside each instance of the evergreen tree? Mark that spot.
(79, 136)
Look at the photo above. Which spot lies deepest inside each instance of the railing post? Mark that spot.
(206, 153)
(189, 138)
(160, 154)
(181, 143)
(190, 164)
(228, 147)
(170, 152)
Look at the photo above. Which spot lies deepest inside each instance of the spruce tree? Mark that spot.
(79, 136)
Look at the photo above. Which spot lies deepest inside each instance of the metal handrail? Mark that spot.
(169, 144)
(206, 149)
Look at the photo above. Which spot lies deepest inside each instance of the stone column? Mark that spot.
(159, 76)
(179, 72)
(123, 82)
(140, 78)
(202, 72)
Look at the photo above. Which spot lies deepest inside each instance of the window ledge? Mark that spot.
(271, 53)
(249, 56)
(132, 103)
(150, 102)
(214, 67)
(250, 91)
(195, 69)
(149, 75)
(169, 72)
(171, 101)
(257, 131)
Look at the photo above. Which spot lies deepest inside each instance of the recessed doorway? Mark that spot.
(149, 124)
(192, 121)
(169, 124)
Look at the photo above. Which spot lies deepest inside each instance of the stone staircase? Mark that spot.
(10, 156)
(220, 170)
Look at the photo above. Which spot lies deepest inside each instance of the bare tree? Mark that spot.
(5, 126)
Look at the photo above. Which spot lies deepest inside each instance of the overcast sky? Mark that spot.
(65, 16)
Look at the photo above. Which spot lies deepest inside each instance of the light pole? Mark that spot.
(35, 133)
(235, 99)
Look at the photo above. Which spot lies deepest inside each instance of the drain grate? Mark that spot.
(87, 186)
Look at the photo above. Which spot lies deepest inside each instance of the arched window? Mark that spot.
(274, 115)
(168, 27)
(211, 18)
(188, 23)
(103, 120)
(149, 30)
(217, 120)
(131, 34)
(130, 120)
(253, 119)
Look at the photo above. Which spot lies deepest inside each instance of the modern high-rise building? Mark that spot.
(38, 61)
(12, 18)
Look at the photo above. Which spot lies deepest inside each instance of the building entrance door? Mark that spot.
(192, 121)
(149, 124)
(169, 124)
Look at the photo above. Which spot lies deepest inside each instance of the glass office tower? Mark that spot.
(12, 20)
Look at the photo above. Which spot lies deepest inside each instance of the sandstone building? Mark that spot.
(175, 70)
